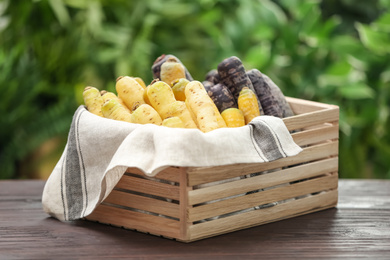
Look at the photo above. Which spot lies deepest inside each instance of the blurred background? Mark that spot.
(331, 51)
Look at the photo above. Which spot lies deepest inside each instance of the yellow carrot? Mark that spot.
(179, 109)
(193, 116)
(93, 100)
(145, 114)
(233, 117)
(206, 118)
(179, 87)
(174, 122)
(130, 91)
(146, 98)
(109, 95)
(112, 109)
(160, 95)
(220, 121)
(172, 70)
(140, 81)
(248, 104)
(207, 114)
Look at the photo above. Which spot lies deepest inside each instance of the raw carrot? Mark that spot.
(130, 91)
(140, 81)
(93, 100)
(160, 95)
(287, 111)
(207, 84)
(174, 122)
(156, 67)
(247, 103)
(179, 109)
(268, 100)
(172, 70)
(145, 114)
(221, 96)
(213, 76)
(233, 117)
(178, 88)
(207, 114)
(109, 95)
(112, 109)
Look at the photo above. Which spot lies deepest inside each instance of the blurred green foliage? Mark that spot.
(334, 51)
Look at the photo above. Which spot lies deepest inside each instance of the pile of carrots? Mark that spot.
(226, 98)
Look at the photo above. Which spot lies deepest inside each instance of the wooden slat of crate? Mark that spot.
(184, 207)
(257, 217)
(143, 203)
(135, 220)
(288, 175)
(311, 119)
(317, 135)
(203, 175)
(148, 187)
(301, 106)
(284, 192)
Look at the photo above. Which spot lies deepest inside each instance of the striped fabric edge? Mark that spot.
(266, 141)
(73, 179)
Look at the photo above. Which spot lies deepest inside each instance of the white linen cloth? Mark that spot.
(99, 151)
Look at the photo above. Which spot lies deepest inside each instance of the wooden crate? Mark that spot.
(189, 204)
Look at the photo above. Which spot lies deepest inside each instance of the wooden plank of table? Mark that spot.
(357, 228)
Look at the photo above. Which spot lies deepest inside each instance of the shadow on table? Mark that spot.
(287, 235)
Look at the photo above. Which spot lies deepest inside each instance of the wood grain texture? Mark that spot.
(358, 228)
(301, 106)
(317, 135)
(149, 187)
(312, 119)
(143, 203)
(183, 202)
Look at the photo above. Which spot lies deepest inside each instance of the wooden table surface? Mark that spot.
(358, 228)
